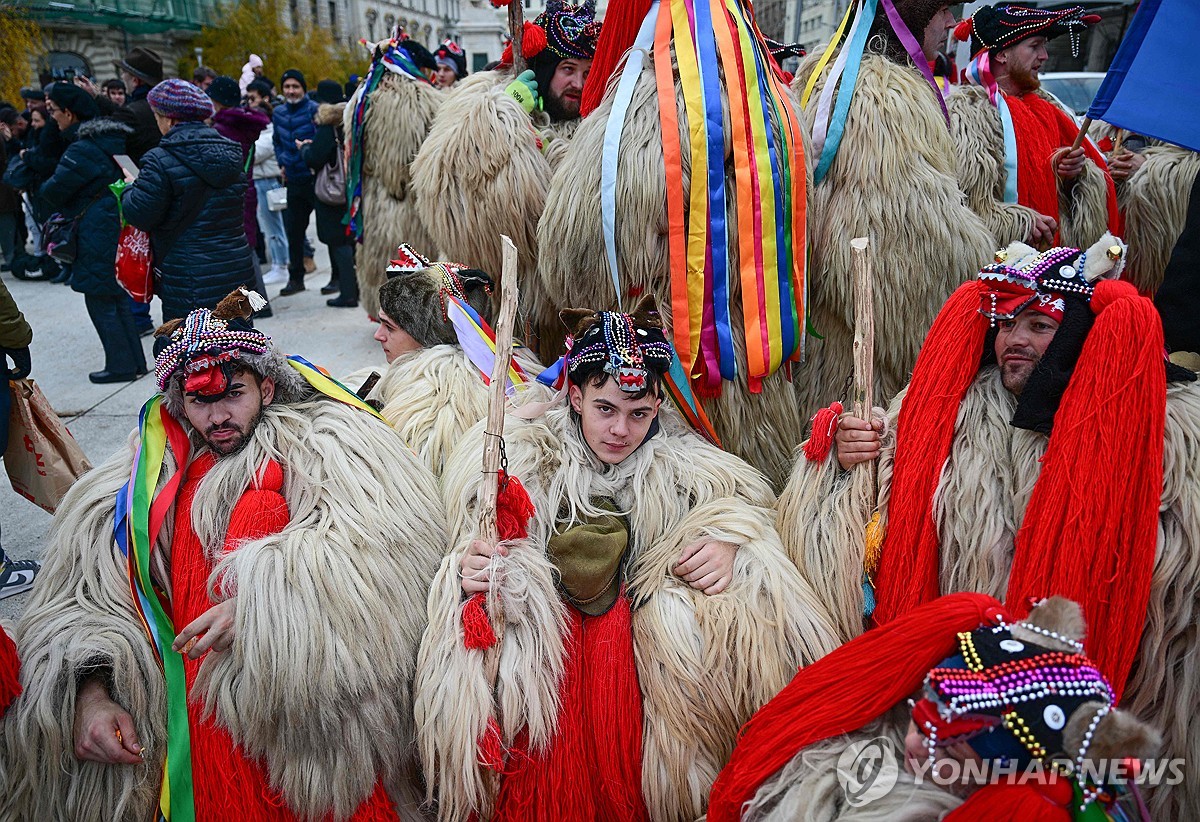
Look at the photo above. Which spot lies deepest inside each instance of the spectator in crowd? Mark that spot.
(267, 178)
(293, 126)
(79, 188)
(141, 70)
(202, 77)
(34, 99)
(41, 155)
(451, 64)
(324, 150)
(189, 197)
(251, 71)
(16, 576)
(114, 89)
(10, 198)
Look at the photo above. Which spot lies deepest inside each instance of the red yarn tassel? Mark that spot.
(621, 23)
(533, 40)
(1101, 482)
(1027, 802)
(824, 426)
(827, 699)
(514, 508)
(477, 628)
(946, 367)
(10, 672)
(491, 747)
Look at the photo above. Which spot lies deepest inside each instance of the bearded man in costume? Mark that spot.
(664, 192)
(386, 121)
(887, 170)
(1014, 142)
(434, 331)
(486, 165)
(1041, 413)
(1009, 720)
(232, 607)
(649, 608)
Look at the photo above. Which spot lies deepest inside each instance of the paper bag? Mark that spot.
(42, 459)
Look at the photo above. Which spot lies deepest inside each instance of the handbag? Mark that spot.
(42, 459)
(331, 180)
(60, 237)
(17, 173)
(277, 199)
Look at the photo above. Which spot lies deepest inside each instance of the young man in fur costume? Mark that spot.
(628, 213)
(1016, 165)
(1007, 720)
(433, 390)
(256, 648)
(648, 608)
(484, 169)
(386, 122)
(893, 179)
(1040, 413)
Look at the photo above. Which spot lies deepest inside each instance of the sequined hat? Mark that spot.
(998, 27)
(630, 348)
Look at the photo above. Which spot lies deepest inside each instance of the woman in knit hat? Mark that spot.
(189, 198)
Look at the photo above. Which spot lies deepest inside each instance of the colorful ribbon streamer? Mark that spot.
(321, 380)
(478, 342)
(979, 73)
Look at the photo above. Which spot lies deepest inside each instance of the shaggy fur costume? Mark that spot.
(434, 395)
(1154, 203)
(573, 268)
(317, 683)
(481, 173)
(894, 181)
(980, 501)
(979, 144)
(399, 117)
(704, 664)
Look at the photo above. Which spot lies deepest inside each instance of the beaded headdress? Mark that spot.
(627, 347)
(417, 292)
(998, 27)
(207, 345)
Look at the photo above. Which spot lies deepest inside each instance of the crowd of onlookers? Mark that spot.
(223, 175)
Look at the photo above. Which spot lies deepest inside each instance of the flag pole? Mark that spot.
(1083, 130)
(516, 28)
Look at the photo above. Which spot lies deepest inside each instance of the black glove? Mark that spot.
(21, 362)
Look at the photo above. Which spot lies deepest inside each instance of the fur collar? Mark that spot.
(330, 114)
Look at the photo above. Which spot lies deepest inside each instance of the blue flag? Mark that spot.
(1153, 86)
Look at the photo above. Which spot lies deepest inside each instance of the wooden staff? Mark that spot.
(493, 436)
(516, 25)
(1083, 130)
(864, 329)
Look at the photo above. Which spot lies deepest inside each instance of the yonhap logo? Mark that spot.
(867, 770)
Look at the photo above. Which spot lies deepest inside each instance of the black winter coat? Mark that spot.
(188, 196)
(79, 186)
(317, 154)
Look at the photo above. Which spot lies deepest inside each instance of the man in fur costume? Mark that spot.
(486, 165)
(231, 607)
(648, 608)
(1016, 163)
(386, 121)
(434, 331)
(665, 192)
(1041, 413)
(1008, 720)
(890, 173)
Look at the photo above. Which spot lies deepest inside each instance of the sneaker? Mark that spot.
(277, 275)
(17, 577)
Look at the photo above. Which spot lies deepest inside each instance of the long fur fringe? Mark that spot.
(728, 653)
(1154, 201)
(318, 682)
(397, 121)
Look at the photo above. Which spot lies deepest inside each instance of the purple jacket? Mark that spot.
(243, 125)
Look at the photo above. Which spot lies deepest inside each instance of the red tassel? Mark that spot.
(500, 4)
(10, 670)
(506, 56)
(514, 508)
(962, 32)
(477, 628)
(827, 699)
(946, 367)
(1101, 483)
(824, 426)
(621, 24)
(533, 40)
(491, 747)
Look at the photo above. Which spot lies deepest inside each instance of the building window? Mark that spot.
(372, 16)
(390, 21)
(313, 19)
(294, 8)
(333, 21)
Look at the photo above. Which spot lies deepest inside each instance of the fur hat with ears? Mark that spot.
(630, 348)
(414, 297)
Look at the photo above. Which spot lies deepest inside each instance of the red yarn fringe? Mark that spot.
(946, 367)
(621, 23)
(491, 747)
(514, 508)
(10, 672)
(824, 426)
(1090, 531)
(827, 699)
(477, 628)
(1008, 802)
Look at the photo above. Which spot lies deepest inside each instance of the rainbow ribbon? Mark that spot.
(979, 73)
(759, 204)
(140, 513)
(478, 342)
(322, 381)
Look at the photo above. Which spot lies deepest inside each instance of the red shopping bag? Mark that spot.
(135, 268)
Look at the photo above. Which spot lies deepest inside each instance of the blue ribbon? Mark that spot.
(841, 108)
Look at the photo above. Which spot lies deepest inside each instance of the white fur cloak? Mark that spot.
(329, 614)
(979, 503)
(399, 116)
(480, 173)
(895, 181)
(704, 664)
(979, 143)
(573, 269)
